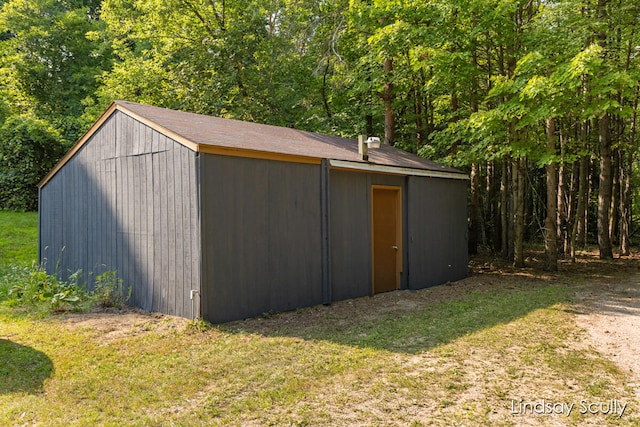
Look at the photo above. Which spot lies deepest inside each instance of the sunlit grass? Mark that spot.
(466, 369)
(459, 361)
(18, 238)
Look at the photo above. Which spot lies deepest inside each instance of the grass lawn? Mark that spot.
(462, 354)
(18, 238)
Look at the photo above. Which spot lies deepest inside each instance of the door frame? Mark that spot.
(399, 233)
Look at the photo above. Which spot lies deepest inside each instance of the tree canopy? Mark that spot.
(525, 95)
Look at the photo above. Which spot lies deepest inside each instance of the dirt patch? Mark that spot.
(607, 304)
(108, 325)
(610, 313)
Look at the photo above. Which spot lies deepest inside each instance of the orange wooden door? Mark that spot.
(386, 222)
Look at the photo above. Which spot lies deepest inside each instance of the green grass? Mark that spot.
(18, 238)
(22, 281)
(18, 247)
(424, 328)
(237, 374)
(460, 359)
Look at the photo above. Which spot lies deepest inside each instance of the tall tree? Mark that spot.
(550, 242)
(54, 53)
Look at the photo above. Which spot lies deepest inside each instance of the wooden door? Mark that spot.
(386, 230)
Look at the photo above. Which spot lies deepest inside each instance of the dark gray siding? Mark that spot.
(262, 237)
(350, 231)
(127, 201)
(437, 229)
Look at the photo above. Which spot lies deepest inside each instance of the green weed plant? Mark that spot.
(109, 291)
(32, 286)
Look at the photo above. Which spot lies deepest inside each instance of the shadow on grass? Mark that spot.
(410, 322)
(22, 368)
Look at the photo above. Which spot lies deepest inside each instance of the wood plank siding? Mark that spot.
(437, 230)
(253, 218)
(127, 201)
(350, 231)
(261, 237)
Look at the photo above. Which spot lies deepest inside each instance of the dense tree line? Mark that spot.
(538, 100)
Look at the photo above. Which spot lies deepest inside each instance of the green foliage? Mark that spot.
(246, 60)
(30, 148)
(473, 81)
(318, 65)
(198, 325)
(25, 283)
(50, 59)
(33, 287)
(109, 291)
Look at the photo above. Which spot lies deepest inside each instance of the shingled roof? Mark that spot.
(210, 134)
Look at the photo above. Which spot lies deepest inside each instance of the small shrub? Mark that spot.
(110, 292)
(32, 286)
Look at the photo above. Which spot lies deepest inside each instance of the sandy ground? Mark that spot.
(114, 324)
(611, 316)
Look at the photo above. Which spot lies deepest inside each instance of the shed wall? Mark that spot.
(262, 236)
(350, 231)
(127, 201)
(437, 230)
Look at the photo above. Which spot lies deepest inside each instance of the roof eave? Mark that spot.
(395, 170)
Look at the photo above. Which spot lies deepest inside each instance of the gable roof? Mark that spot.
(216, 135)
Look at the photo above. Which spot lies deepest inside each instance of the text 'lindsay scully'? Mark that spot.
(584, 407)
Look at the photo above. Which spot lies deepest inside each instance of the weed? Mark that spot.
(198, 325)
(32, 286)
(110, 291)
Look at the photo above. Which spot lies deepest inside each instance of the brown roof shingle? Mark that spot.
(235, 137)
(234, 134)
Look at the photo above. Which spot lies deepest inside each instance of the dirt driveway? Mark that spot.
(607, 302)
(610, 313)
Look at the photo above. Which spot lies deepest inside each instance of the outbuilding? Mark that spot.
(224, 219)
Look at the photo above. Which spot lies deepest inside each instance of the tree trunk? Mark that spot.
(474, 227)
(474, 209)
(368, 124)
(564, 201)
(504, 208)
(518, 244)
(561, 206)
(570, 185)
(417, 109)
(626, 196)
(387, 96)
(570, 235)
(492, 218)
(615, 192)
(550, 236)
(368, 117)
(626, 164)
(323, 89)
(605, 188)
(583, 184)
(583, 192)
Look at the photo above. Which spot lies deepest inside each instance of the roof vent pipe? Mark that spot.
(373, 142)
(363, 148)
